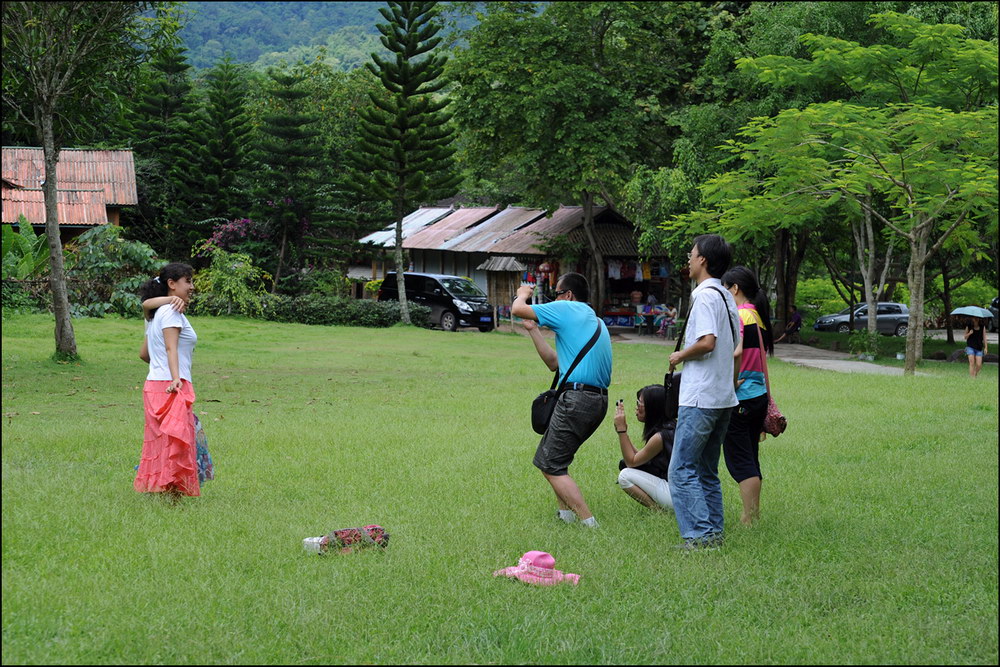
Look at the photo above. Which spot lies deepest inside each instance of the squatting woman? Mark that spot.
(643, 473)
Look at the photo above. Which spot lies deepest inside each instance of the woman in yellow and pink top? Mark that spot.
(742, 444)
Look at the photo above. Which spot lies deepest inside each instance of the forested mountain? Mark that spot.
(263, 33)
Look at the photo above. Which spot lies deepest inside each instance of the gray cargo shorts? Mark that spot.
(576, 416)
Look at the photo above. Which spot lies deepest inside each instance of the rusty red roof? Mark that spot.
(435, 236)
(523, 242)
(113, 172)
(76, 207)
(483, 237)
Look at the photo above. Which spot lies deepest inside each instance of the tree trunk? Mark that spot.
(864, 248)
(946, 298)
(597, 297)
(795, 258)
(782, 303)
(281, 260)
(915, 283)
(65, 337)
(787, 260)
(404, 305)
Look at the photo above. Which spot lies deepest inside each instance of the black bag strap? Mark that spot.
(725, 304)
(668, 378)
(579, 358)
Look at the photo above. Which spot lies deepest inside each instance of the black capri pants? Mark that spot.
(742, 444)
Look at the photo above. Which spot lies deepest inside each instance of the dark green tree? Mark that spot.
(723, 99)
(62, 63)
(917, 153)
(405, 153)
(291, 160)
(561, 105)
(228, 126)
(331, 240)
(170, 136)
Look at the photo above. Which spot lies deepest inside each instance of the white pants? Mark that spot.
(655, 487)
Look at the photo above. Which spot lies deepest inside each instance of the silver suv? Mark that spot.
(891, 319)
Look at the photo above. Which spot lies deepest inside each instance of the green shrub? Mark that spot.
(329, 310)
(105, 273)
(25, 254)
(865, 342)
(816, 297)
(18, 299)
(231, 284)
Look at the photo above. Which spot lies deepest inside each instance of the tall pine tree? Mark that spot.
(228, 126)
(291, 158)
(170, 139)
(405, 150)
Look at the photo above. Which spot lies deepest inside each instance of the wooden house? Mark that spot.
(93, 186)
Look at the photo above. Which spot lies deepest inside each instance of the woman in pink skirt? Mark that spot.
(168, 463)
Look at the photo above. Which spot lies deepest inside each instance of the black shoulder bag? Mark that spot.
(672, 380)
(545, 403)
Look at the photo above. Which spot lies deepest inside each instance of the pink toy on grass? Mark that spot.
(538, 567)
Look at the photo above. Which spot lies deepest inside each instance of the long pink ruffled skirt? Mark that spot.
(169, 454)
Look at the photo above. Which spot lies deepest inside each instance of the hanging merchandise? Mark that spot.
(646, 271)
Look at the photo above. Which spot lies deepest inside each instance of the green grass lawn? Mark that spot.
(878, 542)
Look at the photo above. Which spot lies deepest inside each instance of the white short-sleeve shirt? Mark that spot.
(159, 368)
(707, 382)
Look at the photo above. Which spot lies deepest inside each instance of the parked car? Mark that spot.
(995, 309)
(891, 319)
(454, 301)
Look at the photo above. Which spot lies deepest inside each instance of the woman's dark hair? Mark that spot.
(653, 398)
(158, 285)
(717, 252)
(577, 284)
(745, 279)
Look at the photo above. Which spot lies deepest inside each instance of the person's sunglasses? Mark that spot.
(560, 292)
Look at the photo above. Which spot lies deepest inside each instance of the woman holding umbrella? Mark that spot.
(975, 335)
(975, 344)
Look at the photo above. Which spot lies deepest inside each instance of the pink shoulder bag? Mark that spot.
(774, 422)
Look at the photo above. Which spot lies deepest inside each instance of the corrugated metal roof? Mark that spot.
(76, 207)
(452, 225)
(482, 237)
(612, 240)
(77, 169)
(412, 223)
(523, 242)
(502, 264)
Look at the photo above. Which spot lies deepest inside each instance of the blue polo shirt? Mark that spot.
(574, 323)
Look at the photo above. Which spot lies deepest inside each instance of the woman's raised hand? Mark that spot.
(620, 424)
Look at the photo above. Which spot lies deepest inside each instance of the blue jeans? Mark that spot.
(694, 470)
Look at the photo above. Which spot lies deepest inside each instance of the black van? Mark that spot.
(454, 301)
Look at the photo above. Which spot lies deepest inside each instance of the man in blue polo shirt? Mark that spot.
(581, 407)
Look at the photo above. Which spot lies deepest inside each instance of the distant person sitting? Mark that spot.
(792, 329)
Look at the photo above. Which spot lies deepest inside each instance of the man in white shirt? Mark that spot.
(707, 396)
